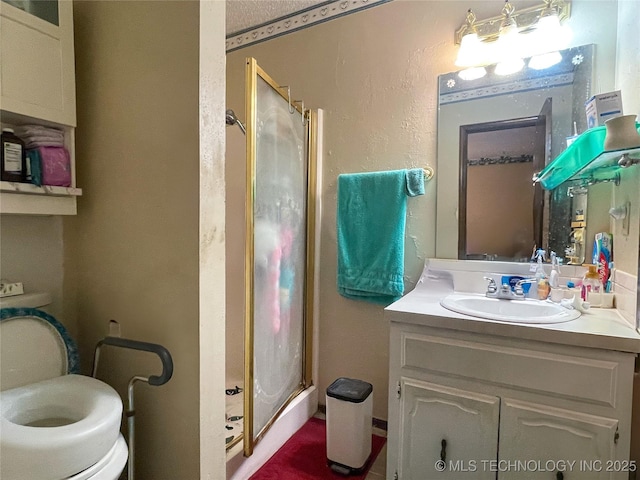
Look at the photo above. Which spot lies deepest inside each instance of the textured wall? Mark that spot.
(133, 248)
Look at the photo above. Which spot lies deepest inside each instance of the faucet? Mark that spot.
(505, 292)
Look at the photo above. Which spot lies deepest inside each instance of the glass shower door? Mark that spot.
(276, 271)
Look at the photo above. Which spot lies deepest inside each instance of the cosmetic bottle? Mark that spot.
(592, 286)
(542, 280)
(14, 159)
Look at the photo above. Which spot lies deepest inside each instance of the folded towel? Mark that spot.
(26, 130)
(371, 218)
(40, 142)
(50, 166)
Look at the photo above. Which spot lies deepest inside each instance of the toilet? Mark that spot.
(55, 424)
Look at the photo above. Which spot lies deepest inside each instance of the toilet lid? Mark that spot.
(34, 346)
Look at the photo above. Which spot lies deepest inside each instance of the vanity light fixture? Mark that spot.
(470, 45)
(535, 32)
(508, 45)
(471, 51)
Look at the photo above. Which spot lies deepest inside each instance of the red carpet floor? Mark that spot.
(304, 456)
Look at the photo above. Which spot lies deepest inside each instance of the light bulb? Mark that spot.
(545, 60)
(509, 43)
(509, 66)
(472, 73)
(548, 36)
(549, 24)
(469, 52)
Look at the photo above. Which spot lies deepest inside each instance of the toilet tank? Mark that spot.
(27, 300)
(34, 346)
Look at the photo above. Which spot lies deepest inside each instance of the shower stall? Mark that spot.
(279, 233)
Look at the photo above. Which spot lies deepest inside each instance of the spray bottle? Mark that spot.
(554, 276)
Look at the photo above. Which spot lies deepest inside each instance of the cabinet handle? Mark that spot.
(443, 451)
(559, 476)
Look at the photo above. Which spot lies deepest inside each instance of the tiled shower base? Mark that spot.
(234, 412)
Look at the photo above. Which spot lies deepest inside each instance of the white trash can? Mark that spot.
(349, 425)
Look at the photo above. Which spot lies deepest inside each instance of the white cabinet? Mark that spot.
(556, 439)
(37, 64)
(508, 409)
(37, 86)
(446, 425)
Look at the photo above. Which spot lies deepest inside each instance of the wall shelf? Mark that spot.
(28, 199)
(30, 189)
(585, 162)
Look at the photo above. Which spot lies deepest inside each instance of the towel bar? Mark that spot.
(428, 173)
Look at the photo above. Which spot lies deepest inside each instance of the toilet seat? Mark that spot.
(92, 412)
(110, 466)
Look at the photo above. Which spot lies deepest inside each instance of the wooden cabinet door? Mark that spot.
(445, 432)
(538, 442)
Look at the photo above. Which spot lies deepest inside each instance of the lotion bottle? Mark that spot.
(543, 282)
(591, 286)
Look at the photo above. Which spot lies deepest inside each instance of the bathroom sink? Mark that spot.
(520, 311)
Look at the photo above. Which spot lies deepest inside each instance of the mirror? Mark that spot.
(494, 133)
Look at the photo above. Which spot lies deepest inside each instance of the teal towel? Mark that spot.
(371, 219)
(415, 182)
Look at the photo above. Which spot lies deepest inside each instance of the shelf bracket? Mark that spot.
(627, 160)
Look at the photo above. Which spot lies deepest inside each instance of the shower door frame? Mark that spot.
(252, 72)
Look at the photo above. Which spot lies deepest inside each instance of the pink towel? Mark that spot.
(56, 166)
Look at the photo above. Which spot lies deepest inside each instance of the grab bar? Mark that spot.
(155, 380)
(163, 353)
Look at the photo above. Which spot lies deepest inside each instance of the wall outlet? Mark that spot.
(114, 329)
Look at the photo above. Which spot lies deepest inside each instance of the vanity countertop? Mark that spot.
(596, 328)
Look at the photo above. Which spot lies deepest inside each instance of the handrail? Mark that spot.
(162, 352)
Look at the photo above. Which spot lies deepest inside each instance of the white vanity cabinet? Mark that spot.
(440, 423)
(37, 86)
(550, 433)
(507, 408)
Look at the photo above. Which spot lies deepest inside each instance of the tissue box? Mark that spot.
(602, 107)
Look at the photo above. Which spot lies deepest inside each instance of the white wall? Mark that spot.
(627, 248)
(627, 75)
(212, 241)
(375, 74)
